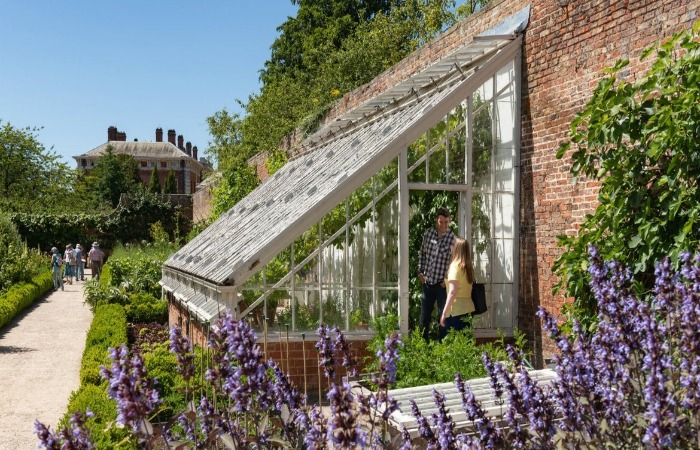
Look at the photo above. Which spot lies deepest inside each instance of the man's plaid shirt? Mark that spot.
(435, 255)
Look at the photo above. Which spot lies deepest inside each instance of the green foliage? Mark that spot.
(641, 140)
(114, 175)
(143, 308)
(131, 222)
(31, 178)
(430, 362)
(154, 183)
(108, 329)
(237, 182)
(23, 294)
(170, 187)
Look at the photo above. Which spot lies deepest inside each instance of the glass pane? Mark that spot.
(437, 158)
(481, 222)
(457, 146)
(505, 172)
(502, 268)
(362, 252)
(504, 216)
(387, 234)
(361, 311)
(481, 141)
(416, 151)
(333, 308)
(502, 305)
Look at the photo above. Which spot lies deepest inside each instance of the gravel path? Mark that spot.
(40, 352)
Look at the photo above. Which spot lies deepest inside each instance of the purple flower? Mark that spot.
(130, 386)
(326, 352)
(181, 346)
(343, 429)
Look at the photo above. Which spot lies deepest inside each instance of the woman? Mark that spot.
(460, 278)
(56, 263)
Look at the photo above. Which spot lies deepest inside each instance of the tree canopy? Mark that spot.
(641, 141)
(115, 174)
(31, 177)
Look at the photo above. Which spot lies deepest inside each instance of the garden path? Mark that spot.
(40, 353)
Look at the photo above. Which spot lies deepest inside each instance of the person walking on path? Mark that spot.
(40, 354)
(79, 263)
(56, 267)
(460, 278)
(433, 261)
(96, 258)
(69, 264)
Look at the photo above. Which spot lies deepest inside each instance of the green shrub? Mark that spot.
(108, 329)
(144, 308)
(427, 362)
(101, 425)
(21, 295)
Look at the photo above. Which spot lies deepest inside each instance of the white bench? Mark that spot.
(423, 396)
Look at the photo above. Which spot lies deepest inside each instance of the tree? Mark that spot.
(115, 174)
(154, 184)
(641, 141)
(31, 178)
(170, 187)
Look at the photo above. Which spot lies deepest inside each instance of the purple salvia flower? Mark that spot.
(326, 352)
(444, 423)
(181, 346)
(424, 429)
(406, 440)
(342, 347)
(315, 438)
(130, 386)
(47, 438)
(496, 385)
(343, 429)
(488, 433)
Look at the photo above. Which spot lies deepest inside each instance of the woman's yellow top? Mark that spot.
(463, 303)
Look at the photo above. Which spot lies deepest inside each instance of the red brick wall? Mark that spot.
(293, 356)
(566, 49)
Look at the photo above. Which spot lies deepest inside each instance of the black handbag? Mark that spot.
(479, 298)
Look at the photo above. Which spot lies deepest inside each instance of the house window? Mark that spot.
(163, 164)
(83, 162)
(144, 164)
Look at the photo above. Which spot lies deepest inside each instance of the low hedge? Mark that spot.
(108, 329)
(21, 295)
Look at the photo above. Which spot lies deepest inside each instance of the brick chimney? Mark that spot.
(121, 136)
(171, 136)
(181, 142)
(188, 146)
(194, 152)
(159, 134)
(112, 133)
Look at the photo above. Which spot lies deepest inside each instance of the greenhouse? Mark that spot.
(331, 236)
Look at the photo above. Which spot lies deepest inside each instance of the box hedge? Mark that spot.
(21, 295)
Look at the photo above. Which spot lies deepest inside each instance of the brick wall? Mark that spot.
(297, 357)
(566, 49)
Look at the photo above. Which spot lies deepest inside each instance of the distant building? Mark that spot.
(180, 157)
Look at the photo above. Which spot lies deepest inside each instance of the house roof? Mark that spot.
(140, 150)
(297, 196)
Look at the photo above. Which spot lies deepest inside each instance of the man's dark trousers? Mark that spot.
(431, 294)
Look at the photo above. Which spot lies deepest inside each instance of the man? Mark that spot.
(96, 257)
(79, 263)
(433, 262)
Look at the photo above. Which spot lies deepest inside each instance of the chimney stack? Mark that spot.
(194, 152)
(188, 146)
(159, 134)
(171, 136)
(112, 133)
(121, 136)
(181, 142)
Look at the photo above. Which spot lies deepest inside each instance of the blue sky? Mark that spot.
(78, 67)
